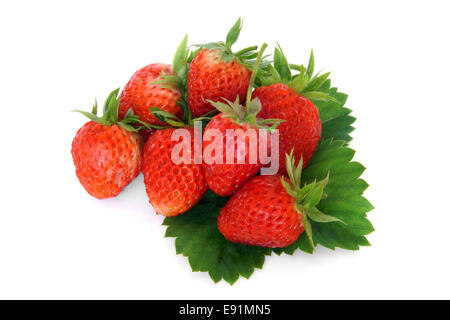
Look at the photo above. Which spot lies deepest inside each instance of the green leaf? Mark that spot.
(310, 68)
(233, 34)
(225, 108)
(89, 115)
(289, 187)
(308, 230)
(336, 119)
(129, 114)
(166, 117)
(333, 235)
(303, 243)
(299, 83)
(127, 127)
(318, 96)
(207, 250)
(316, 215)
(130, 122)
(344, 193)
(305, 190)
(254, 107)
(180, 58)
(192, 55)
(94, 108)
(213, 45)
(111, 107)
(198, 238)
(111, 97)
(297, 67)
(236, 106)
(339, 127)
(313, 197)
(184, 106)
(316, 82)
(344, 199)
(281, 65)
(268, 76)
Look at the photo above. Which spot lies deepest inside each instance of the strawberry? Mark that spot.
(225, 178)
(261, 213)
(141, 93)
(216, 72)
(172, 188)
(271, 211)
(107, 153)
(158, 86)
(288, 97)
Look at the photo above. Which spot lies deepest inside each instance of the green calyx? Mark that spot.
(246, 56)
(180, 64)
(110, 114)
(303, 82)
(173, 121)
(247, 114)
(307, 197)
(178, 80)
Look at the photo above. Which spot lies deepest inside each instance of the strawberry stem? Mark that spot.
(254, 72)
(241, 52)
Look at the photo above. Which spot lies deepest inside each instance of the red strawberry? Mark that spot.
(288, 97)
(271, 211)
(141, 93)
(107, 153)
(210, 78)
(217, 73)
(302, 127)
(172, 188)
(225, 178)
(262, 213)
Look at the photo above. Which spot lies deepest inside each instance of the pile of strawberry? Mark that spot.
(225, 216)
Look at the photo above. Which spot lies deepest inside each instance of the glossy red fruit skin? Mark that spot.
(140, 94)
(210, 78)
(301, 129)
(172, 188)
(261, 214)
(224, 179)
(106, 158)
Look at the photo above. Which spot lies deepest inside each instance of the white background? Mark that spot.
(56, 241)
